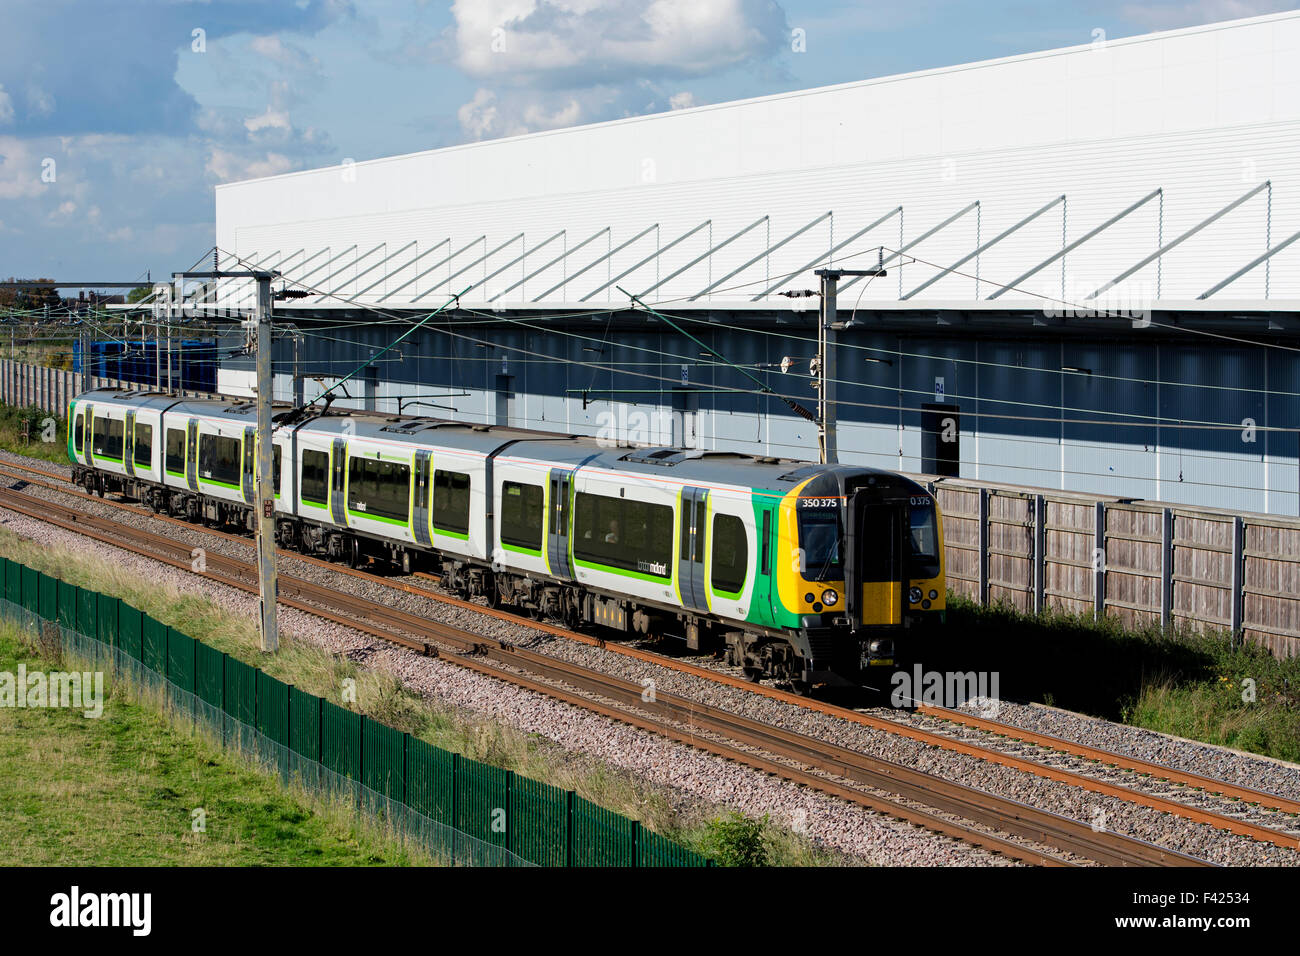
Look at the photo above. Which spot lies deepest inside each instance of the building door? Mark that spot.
(505, 400)
(941, 440)
(686, 409)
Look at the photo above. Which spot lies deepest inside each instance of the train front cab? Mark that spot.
(888, 567)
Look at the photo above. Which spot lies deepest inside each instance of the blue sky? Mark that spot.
(117, 117)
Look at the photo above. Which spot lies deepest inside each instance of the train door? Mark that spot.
(761, 598)
(557, 539)
(128, 443)
(876, 560)
(690, 555)
(249, 464)
(87, 441)
(192, 454)
(338, 494)
(423, 486)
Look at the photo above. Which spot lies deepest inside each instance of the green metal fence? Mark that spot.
(465, 811)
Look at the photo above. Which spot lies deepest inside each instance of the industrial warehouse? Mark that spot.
(1088, 268)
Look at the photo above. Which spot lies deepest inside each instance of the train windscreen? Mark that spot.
(819, 537)
(924, 533)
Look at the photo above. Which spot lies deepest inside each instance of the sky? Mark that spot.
(118, 117)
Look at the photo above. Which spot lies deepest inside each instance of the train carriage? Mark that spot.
(808, 573)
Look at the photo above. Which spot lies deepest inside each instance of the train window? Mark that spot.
(819, 539)
(730, 554)
(622, 533)
(521, 515)
(174, 460)
(701, 524)
(379, 489)
(925, 545)
(78, 439)
(107, 437)
(686, 533)
(766, 546)
(143, 453)
(451, 501)
(219, 459)
(275, 467)
(315, 477)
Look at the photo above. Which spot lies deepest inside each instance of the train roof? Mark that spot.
(684, 464)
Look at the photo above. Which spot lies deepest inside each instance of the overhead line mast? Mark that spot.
(258, 331)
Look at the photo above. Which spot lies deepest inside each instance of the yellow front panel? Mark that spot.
(881, 603)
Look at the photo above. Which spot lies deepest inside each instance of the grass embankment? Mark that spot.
(121, 789)
(35, 446)
(1196, 685)
(383, 698)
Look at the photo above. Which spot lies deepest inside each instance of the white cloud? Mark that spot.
(488, 116)
(271, 119)
(567, 42)
(1169, 16)
(6, 107)
(228, 166)
(552, 63)
(39, 102)
(20, 170)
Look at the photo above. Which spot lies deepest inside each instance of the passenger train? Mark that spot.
(805, 573)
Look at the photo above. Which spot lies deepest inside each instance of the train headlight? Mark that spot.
(933, 594)
(830, 598)
(914, 595)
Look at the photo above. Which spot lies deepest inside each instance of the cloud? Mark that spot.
(566, 43)
(134, 88)
(230, 166)
(271, 119)
(39, 102)
(6, 107)
(1170, 16)
(20, 170)
(549, 63)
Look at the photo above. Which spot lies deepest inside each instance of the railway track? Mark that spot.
(689, 722)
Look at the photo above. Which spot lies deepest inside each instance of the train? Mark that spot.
(811, 575)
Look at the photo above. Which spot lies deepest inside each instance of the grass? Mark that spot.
(11, 425)
(1179, 682)
(121, 789)
(382, 697)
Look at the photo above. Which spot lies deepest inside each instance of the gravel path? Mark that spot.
(1176, 833)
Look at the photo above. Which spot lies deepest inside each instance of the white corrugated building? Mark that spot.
(998, 195)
